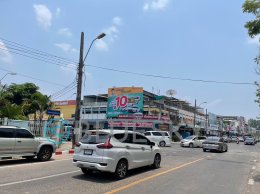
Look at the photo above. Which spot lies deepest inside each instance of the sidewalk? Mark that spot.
(65, 148)
(254, 178)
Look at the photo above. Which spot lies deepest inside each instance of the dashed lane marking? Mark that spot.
(251, 182)
(29, 164)
(153, 176)
(36, 179)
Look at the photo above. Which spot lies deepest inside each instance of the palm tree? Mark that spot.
(40, 104)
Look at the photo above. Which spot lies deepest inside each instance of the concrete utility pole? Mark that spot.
(79, 89)
(206, 120)
(195, 109)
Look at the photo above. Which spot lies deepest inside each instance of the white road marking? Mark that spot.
(251, 182)
(36, 179)
(253, 168)
(29, 164)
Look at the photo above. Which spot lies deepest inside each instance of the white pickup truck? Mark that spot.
(20, 142)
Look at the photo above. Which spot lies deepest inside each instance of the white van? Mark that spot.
(162, 138)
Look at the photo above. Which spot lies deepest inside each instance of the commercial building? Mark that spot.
(135, 108)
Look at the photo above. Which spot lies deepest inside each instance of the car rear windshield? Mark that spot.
(94, 138)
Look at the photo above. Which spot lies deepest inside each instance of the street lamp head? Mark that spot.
(102, 35)
(12, 73)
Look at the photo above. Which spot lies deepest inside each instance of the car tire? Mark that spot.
(86, 171)
(45, 153)
(204, 150)
(191, 145)
(121, 169)
(162, 144)
(226, 149)
(157, 161)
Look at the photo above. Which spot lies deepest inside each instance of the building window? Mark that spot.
(103, 110)
(87, 110)
(95, 110)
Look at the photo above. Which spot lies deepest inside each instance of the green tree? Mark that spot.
(253, 27)
(17, 101)
(254, 123)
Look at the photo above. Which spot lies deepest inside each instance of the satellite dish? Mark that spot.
(171, 92)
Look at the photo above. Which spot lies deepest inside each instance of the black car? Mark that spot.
(214, 144)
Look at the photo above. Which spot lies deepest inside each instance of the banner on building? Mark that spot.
(125, 101)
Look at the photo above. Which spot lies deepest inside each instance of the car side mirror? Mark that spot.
(151, 144)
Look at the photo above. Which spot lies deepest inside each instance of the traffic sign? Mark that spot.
(53, 112)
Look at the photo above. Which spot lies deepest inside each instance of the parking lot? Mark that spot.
(183, 170)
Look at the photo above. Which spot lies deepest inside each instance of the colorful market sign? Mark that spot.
(125, 101)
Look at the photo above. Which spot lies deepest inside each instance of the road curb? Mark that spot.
(60, 152)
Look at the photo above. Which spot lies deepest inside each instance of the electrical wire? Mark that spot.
(28, 76)
(58, 61)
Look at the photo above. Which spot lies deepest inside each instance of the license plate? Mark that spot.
(88, 152)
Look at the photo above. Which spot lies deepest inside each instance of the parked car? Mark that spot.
(241, 139)
(115, 151)
(226, 139)
(249, 141)
(161, 138)
(215, 143)
(192, 141)
(20, 142)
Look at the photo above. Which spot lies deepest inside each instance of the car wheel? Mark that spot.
(226, 149)
(45, 153)
(121, 169)
(157, 161)
(86, 171)
(162, 144)
(191, 145)
(204, 150)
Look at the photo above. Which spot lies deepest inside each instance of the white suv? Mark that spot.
(161, 138)
(19, 142)
(115, 151)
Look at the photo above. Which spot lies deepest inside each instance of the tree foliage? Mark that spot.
(17, 101)
(253, 27)
(254, 123)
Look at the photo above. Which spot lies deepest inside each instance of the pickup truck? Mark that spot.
(20, 142)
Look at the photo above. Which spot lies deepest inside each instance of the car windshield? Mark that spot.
(190, 137)
(94, 138)
(212, 139)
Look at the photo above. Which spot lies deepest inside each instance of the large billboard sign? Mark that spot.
(124, 101)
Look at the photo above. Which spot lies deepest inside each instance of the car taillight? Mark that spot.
(106, 145)
(77, 144)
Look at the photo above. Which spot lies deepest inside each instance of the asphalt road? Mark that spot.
(184, 170)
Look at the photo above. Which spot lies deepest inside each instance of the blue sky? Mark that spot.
(195, 39)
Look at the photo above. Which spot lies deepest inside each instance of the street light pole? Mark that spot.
(6, 75)
(79, 85)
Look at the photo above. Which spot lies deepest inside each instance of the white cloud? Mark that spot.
(58, 10)
(101, 45)
(65, 31)
(117, 21)
(66, 47)
(112, 34)
(156, 5)
(254, 40)
(5, 55)
(43, 16)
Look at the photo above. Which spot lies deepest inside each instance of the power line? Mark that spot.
(168, 77)
(35, 50)
(64, 90)
(39, 59)
(28, 76)
(57, 61)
